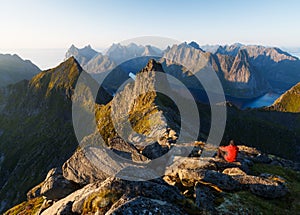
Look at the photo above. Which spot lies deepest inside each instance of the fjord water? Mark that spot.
(261, 101)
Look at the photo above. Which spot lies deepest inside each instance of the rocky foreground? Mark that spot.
(255, 184)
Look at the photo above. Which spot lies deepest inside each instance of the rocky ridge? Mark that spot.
(289, 101)
(191, 185)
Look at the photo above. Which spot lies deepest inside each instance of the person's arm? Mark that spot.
(223, 148)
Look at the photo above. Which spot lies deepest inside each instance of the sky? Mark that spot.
(56, 24)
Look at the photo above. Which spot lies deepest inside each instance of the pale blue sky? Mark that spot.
(58, 24)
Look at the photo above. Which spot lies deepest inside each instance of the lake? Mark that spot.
(262, 101)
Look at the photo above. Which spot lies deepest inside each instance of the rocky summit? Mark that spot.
(255, 183)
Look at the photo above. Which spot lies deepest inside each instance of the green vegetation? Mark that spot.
(289, 101)
(244, 202)
(26, 208)
(100, 201)
(37, 131)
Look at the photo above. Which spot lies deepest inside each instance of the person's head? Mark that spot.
(231, 142)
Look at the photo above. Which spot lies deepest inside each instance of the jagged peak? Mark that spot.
(153, 65)
(195, 45)
(70, 62)
(65, 75)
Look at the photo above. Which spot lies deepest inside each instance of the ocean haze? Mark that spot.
(45, 58)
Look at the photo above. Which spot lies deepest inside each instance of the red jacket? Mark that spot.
(231, 152)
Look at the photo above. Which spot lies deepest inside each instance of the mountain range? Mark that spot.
(14, 69)
(244, 71)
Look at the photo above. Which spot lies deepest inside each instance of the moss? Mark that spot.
(244, 202)
(292, 201)
(26, 208)
(289, 101)
(100, 201)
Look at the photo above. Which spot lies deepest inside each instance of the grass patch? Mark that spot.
(26, 208)
(100, 201)
(244, 202)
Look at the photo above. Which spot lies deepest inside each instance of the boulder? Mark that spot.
(144, 206)
(107, 193)
(154, 150)
(80, 169)
(223, 181)
(56, 186)
(126, 150)
(205, 198)
(233, 171)
(35, 192)
(262, 186)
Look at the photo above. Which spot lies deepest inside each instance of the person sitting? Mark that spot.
(228, 153)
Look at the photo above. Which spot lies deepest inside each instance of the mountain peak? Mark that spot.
(64, 77)
(83, 55)
(195, 45)
(289, 101)
(153, 65)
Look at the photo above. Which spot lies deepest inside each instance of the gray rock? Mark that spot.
(221, 180)
(66, 209)
(80, 169)
(233, 171)
(205, 198)
(145, 206)
(126, 150)
(262, 186)
(56, 186)
(155, 150)
(156, 190)
(261, 158)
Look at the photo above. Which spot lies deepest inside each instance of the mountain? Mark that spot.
(99, 63)
(210, 48)
(243, 78)
(122, 59)
(36, 128)
(120, 53)
(244, 71)
(83, 55)
(289, 101)
(143, 105)
(279, 68)
(14, 69)
(264, 69)
(238, 77)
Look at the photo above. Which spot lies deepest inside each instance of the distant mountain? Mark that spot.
(210, 48)
(83, 56)
(195, 45)
(120, 53)
(99, 63)
(289, 101)
(14, 69)
(238, 76)
(245, 71)
(279, 68)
